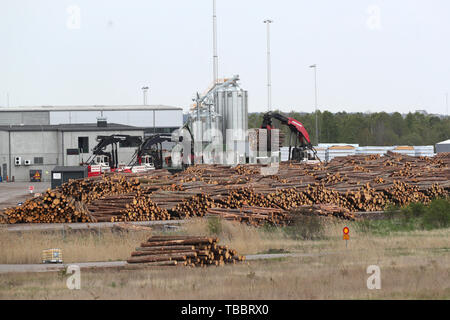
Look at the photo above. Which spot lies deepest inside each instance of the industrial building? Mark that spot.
(153, 118)
(33, 140)
(443, 146)
(30, 152)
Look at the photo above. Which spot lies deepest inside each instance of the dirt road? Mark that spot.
(20, 268)
(13, 192)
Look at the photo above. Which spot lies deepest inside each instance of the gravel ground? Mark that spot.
(13, 192)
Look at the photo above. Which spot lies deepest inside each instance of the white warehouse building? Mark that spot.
(36, 139)
(154, 118)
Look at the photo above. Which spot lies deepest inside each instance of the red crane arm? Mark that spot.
(299, 126)
(294, 125)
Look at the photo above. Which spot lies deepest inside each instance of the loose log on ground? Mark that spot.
(201, 251)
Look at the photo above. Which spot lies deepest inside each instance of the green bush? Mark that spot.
(391, 209)
(306, 227)
(413, 210)
(214, 225)
(437, 214)
(415, 216)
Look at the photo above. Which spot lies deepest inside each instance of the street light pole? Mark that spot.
(215, 63)
(269, 83)
(314, 66)
(446, 102)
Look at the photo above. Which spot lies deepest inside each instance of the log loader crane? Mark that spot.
(302, 142)
(150, 151)
(102, 159)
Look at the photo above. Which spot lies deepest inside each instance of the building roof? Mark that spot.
(444, 142)
(70, 127)
(89, 108)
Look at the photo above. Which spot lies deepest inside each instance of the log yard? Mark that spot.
(219, 195)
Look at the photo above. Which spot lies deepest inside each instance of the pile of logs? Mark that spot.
(97, 199)
(353, 183)
(52, 206)
(259, 216)
(194, 206)
(443, 157)
(193, 251)
(254, 216)
(325, 210)
(126, 207)
(92, 188)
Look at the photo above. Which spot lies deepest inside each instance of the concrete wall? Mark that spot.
(4, 143)
(31, 144)
(4, 159)
(52, 147)
(26, 118)
(137, 118)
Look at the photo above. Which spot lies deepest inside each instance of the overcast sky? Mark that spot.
(371, 55)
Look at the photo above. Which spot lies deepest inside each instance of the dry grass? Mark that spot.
(414, 265)
(328, 277)
(105, 245)
(245, 239)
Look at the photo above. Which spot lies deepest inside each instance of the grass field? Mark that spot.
(415, 264)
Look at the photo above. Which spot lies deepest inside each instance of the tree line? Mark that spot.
(374, 129)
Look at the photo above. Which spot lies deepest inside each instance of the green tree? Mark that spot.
(379, 128)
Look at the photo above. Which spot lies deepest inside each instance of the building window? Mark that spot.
(38, 160)
(83, 144)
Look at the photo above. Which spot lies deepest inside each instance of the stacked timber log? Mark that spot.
(326, 210)
(194, 206)
(259, 216)
(126, 207)
(89, 189)
(51, 207)
(3, 218)
(355, 183)
(244, 196)
(254, 216)
(184, 250)
(95, 199)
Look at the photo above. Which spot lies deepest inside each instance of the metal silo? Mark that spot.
(224, 106)
(204, 124)
(232, 106)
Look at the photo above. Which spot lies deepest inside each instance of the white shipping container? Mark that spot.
(284, 153)
(373, 150)
(425, 151)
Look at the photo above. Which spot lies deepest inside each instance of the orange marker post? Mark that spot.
(346, 237)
